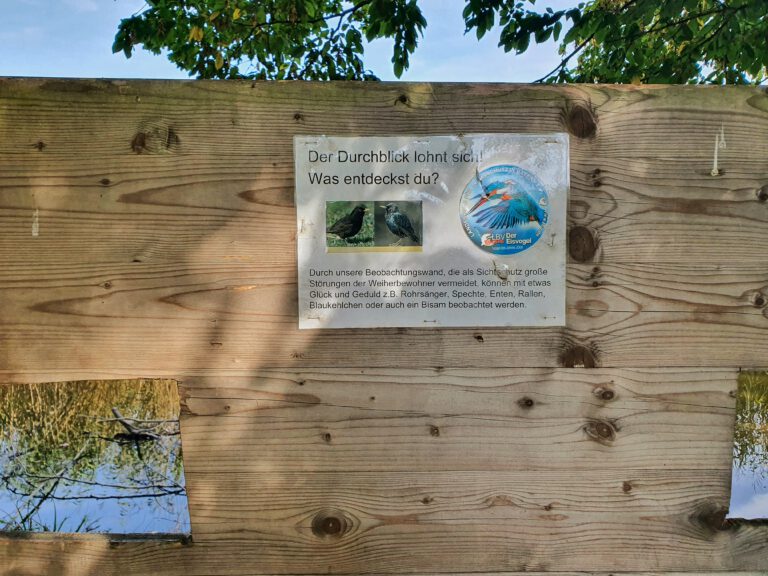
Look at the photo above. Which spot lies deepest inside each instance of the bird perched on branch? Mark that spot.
(507, 207)
(349, 225)
(399, 224)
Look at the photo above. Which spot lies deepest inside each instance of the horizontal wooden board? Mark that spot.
(644, 210)
(471, 526)
(369, 420)
(90, 555)
(405, 522)
(152, 319)
(242, 117)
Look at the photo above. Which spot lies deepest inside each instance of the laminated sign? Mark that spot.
(433, 231)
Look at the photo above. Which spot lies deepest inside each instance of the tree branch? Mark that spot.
(564, 61)
(342, 14)
(51, 490)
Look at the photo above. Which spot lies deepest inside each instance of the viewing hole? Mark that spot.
(101, 456)
(749, 482)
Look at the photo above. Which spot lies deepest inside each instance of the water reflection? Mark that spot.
(749, 487)
(98, 456)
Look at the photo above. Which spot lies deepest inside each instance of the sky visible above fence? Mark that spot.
(73, 38)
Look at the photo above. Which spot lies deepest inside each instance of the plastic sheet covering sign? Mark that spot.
(431, 231)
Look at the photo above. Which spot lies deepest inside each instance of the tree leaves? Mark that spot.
(600, 40)
(276, 39)
(680, 41)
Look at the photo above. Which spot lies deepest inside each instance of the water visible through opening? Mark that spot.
(92, 456)
(749, 483)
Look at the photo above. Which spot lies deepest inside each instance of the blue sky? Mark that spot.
(73, 38)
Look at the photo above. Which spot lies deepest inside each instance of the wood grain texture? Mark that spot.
(419, 523)
(457, 469)
(166, 237)
(526, 520)
(369, 420)
(165, 317)
(164, 246)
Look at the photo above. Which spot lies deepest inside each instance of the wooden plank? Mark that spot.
(286, 505)
(642, 181)
(640, 210)
(176, 318)
(709, 550)
(629, 121)
(171, 255)
(411, 522)
(388, 420)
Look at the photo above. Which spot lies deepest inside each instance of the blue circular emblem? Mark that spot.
(504, 209)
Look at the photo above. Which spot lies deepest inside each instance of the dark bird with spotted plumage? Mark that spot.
(399, 224)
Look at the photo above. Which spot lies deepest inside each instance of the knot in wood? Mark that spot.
(582, 244)
(155, 137)
(525, 402)
(600, 431)
(139, 142)
(604, 393)
(578, 356)
(711, 517)
(762, 194)
(581, 121)
(434, 431)
(758, 301)
(330, 524)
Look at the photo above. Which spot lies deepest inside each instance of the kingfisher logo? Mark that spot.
(504, 209)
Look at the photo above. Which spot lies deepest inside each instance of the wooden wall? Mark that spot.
(147, 229)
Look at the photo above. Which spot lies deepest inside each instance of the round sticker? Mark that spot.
(504, 209)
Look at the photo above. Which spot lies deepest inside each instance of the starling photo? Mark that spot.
(350, 222)
(399, 223)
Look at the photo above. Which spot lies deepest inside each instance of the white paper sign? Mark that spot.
(431, 231)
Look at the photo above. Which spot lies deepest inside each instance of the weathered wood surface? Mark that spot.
(148, 229)
(416, 471)
(166, 228)
(449, 420)
(166, 318)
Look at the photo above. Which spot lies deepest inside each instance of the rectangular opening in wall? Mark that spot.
(92, 456)
(749, 483)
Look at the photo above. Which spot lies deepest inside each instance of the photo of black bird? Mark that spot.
(349, 225)
(399, 224)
